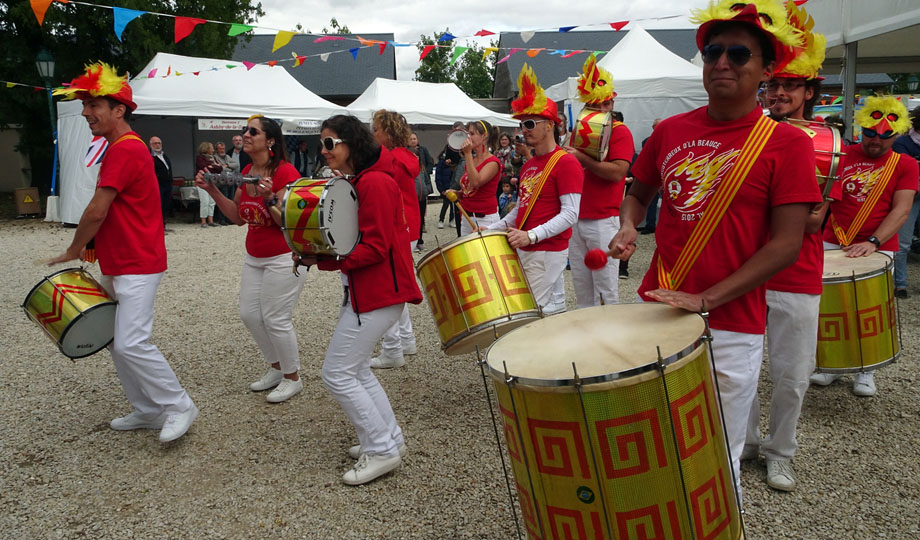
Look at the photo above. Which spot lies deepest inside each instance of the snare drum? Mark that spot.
(476, 290)
(320, 217)
(74, 311)
(456, 138)
(857, 322)
(827, 143)
(591, 133)
(630, 446)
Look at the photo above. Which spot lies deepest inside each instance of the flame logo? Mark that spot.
(693, 180)
(861, 182)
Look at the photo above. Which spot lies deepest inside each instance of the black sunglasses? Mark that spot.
(871, 133)
(330, 142)
(530, 124)
(737, 54)
(252, 131)
(788, 86)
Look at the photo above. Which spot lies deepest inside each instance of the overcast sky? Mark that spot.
(408, 19)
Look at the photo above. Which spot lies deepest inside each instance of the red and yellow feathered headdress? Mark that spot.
(768, 16)
(808, 59)
(595, 85)
(532, 99)
(883, 113)
(99, 80)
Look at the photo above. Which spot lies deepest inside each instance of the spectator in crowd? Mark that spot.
(205, 161)
(422, 184)
(229, 164)
(162, 167)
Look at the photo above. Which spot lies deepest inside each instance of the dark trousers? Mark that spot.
(229, 192)
(166, 200)
(445, 206)
(422, 210)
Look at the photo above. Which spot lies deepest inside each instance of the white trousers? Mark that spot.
(148, 381)
(399, 332)
(268, 293)
(543, 269)
(347, 374)
(792, 338)
(592, 285)
(206, 204)
(481, 222)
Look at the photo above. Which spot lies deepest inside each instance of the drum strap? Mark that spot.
(846, 237)
(127, 137)
(715, 210)
(538, 183)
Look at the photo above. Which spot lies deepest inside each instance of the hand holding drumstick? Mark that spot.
(451, 195)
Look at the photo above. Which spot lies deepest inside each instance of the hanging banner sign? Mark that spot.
(300, 127)
(221, 124)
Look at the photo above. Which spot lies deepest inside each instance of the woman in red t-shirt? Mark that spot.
(268, 289)
(205, 161)
(480, 181)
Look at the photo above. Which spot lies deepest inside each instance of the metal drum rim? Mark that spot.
(485, 325)
(453, 243)
(60, 340)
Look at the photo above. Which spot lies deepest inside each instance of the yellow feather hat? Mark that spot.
(883, 113)
(810, 57)
(768, 16)
(595, 85)
(532, 99)
(99, 79)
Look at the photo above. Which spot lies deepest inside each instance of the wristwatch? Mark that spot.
(532, 236)
(874, 240)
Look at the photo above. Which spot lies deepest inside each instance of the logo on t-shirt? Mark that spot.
(694, 177)
(254, 214)
(528, 180)
(859, 179)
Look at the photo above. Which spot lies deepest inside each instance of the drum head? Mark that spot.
(600, 341)
(339, 216)
(839, 267)
(90, 332)
(456, 138)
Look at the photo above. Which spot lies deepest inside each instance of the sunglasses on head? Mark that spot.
(787, 85)
(737, 54)
(252, 131)
(530, 124)
(871, 133)
(330, 142)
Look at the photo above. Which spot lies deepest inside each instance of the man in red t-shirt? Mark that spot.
(599, 212)
(540, 226)
(123, 219)
(866, 168)
(696, 157)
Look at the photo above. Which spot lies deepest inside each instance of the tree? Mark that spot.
(78, 34)
(435, 67)
(336, 27)
(475, 75)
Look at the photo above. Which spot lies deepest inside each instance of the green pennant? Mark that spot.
(237, 29)
(457, 52)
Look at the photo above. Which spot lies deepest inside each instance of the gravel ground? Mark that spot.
(250, 469)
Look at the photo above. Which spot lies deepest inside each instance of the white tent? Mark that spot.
(650, 81)
(217, 91)
(424, 103)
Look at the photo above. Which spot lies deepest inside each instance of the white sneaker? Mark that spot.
(370, 467)
(135, 420)
(409, 347)
(552, 309)
(780, 474)
(354, 452)
(864, 384)
(177, 424)
(270, 380)
(823, 379)
(285, 390)
(384, 361)
(440, 224)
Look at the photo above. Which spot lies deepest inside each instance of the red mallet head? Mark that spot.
(595, 259)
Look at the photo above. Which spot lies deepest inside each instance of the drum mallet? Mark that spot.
(452, 197)
(595, 259)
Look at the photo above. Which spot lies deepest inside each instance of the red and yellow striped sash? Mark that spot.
(846, 237)
(539, 182)
(715, 210)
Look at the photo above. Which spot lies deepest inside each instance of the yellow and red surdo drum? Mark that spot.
(476, 290)
(827, 142)
(632, 446)
(857, 322)
(74, 311)
(591, 133)
(320, 217)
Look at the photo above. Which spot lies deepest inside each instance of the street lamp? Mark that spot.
(45, 64)
(912, 83)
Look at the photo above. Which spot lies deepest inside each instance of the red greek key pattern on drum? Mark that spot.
(648, 523)
(555, 444)
(694, 421)
(711, 512)
(511, 437)
(440, 301)
(311, 201)
(638, 442)
(472, 285)
(511, 276)
(833, 327)
(529, 513)
(570, 524)
(57, 301)
(870, 321)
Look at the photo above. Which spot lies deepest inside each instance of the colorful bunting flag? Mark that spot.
(152, 74)
(526, 36)
(354, 52)
(571, 53)
(298, 60)
(328, 38)
(558, 52)
(237, 29)
(249, 65)
(123, 17)
(618, 25)
(10, 85)
(282, 38)
(488, 51)
(484, 32)
(566, 28)
(39, 7)
(383, 46)
(510, 53)
(426, 50)
(184, 27)
(368, 42)
(533, 52)
(271, 63)
(324, 57)
(446, 37)
(458, 51)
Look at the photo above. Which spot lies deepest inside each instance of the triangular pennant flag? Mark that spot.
(571, 53)
(298, 60)
(598, 53)
(526, 36)
(123, 17)
(328, 38)
(178, 74)
(383, 47)
(558, 52)
(618, 25)
(354, 52)
(152, 74)
(457, 52)
(10, 85)
(37, 88)
(282, 38)
(39, 7)
(367, 42)
(533, 52)
(230, 66)
(249, 65)
(488, 51)
(237, 29)
(566, 28)
(185, 25)
(271, 63)
(324, 57)
(426, 50)
(196, 73)
(484, 32)
(511, 52)
(447, 37)
(395, 44)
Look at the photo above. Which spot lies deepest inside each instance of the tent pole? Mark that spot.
(849, 86)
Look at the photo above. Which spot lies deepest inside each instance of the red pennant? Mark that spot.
(426, 50)
(618, 25)
(196, 73)
(185, 25)
(484, 32)
(271, 63)
(383, 47)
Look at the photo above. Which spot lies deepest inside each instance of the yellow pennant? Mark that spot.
(282, 38)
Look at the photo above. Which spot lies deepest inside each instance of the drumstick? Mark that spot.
(595, 259)
(452, 197)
